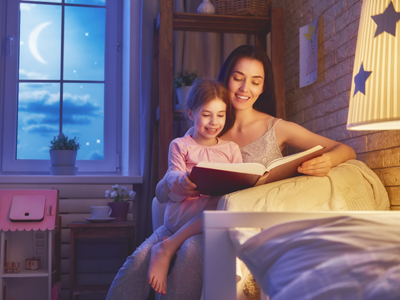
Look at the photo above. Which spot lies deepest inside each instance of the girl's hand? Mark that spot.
(318, 166)
(187, 187)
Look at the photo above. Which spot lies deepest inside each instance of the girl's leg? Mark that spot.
(131, 282)
(185, 276)
(162, 253)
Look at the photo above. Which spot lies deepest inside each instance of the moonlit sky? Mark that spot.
(40, 73)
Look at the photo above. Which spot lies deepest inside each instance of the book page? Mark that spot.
(286, 159)
(247, 168)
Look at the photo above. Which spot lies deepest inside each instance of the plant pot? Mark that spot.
(119, 210)
(63, 162)
(181, 94)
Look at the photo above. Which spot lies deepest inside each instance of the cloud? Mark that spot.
(80, 105)
(26, 7)
(42, 129)
(96, 155)
(31, 75)
(40, 110)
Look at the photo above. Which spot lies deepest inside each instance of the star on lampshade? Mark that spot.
(377, 106)
(387, 21)
(359, 80)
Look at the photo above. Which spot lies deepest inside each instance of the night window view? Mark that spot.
(60, 53)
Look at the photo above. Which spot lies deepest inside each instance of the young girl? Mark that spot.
(208, 105)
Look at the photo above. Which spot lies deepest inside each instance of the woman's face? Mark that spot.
(246, 83)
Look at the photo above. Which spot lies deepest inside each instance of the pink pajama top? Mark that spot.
(184, 153)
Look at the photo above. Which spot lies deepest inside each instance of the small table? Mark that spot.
(101, 232)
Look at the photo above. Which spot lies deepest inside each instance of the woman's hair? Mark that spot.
(266, 101)
(204, 91)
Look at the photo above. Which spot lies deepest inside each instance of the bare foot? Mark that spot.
(160, 260)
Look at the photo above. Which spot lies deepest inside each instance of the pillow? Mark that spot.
(316, 258)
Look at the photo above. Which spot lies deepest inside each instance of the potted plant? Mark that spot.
(63, 153)
(120, 206)
(182, 83)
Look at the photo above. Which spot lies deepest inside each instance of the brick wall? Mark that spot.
(323, 106)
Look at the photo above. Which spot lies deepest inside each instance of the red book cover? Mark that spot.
(219, 178)
(219, 182)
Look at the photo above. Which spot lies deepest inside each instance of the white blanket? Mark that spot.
(331, 258)
(350, 186)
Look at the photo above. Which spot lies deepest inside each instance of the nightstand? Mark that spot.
(98, 250)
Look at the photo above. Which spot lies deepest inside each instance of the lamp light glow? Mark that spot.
(375, 89)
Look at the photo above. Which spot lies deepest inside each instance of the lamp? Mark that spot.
(375, 89)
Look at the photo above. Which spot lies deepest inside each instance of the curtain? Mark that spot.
(149, 11)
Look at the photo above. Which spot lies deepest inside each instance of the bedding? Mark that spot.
(345, 257)
(350, 186)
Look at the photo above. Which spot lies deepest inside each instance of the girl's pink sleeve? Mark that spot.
(176, 170)
(176, 167)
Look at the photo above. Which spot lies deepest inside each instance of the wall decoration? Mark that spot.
(308, 41)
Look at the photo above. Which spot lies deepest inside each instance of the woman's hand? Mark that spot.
(318, 166)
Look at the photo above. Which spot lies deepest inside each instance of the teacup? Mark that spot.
(100, 212)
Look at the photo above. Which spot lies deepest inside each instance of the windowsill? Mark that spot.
(132, 179)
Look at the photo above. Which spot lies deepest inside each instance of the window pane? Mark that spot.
(40, 42)
(83, 117)
(52, 1)
(90, 2)
(84, 43)
(38, 119)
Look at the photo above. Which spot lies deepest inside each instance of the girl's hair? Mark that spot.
(266, 101)
(206, 90)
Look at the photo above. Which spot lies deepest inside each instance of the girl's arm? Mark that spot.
(175, 183)
(184, 185)
(162, 188)
(296, 136)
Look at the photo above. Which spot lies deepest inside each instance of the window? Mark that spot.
(61, 75)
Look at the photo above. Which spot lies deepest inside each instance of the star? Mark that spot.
(387, 21)
(310, 33)
(359, 80)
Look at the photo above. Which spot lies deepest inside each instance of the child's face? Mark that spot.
(246, 83)
(209, 120)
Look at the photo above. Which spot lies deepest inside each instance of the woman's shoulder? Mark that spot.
(286, 125)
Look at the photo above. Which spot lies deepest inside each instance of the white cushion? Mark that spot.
(157, 213)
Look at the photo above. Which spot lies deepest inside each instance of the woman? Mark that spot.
(247, 74)
(248, 77)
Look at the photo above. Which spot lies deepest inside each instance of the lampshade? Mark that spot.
(375, 88)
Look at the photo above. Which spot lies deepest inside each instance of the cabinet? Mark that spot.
(20, 241)
(163, 62)
(98, 249)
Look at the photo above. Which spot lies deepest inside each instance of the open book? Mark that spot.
(223, 178)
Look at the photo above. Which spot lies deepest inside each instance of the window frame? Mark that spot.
(112, 95)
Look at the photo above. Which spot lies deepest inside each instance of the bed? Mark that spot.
(348, 188)
(283, 259)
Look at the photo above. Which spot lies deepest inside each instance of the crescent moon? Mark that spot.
(33, 38)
